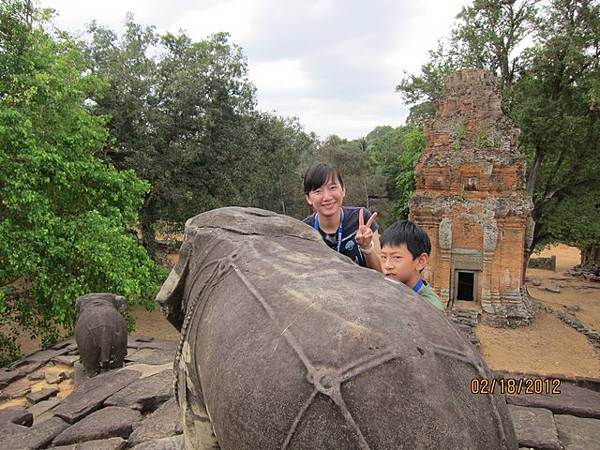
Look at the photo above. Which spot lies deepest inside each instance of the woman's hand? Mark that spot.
(364, 235)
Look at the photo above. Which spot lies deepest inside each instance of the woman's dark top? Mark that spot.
(348, 247)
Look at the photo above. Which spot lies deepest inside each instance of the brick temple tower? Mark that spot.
(470, 198)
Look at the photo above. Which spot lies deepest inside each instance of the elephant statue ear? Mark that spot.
(170, 296)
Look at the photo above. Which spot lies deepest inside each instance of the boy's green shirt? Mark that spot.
(429, 294)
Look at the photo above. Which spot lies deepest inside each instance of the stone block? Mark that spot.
(112, 421)
(43, 394)
(26, 367)
(67, 360)
(89, 395)
(8, 376)
(40, 409)
(162, 423)
(145, 394)
(64, 344)
(19, 388)
(171, 443)
(572, 400)
(36, 376)
(535, 428)
(578, 433)
(39, 435)
(147, 370)
(17, 414)
(115, 443)
(151, 356)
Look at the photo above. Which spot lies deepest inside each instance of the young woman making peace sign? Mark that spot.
(343, 228)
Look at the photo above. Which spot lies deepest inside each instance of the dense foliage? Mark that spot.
(183, 117)
(65, 215)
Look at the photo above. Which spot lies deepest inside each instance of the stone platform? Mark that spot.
(47, 402)
(132, 407)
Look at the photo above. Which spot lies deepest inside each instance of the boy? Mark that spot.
(404, 254)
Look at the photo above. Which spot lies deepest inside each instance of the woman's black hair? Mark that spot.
(318, 174)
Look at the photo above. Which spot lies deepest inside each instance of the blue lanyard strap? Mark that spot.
(339, 231)
(419, 285)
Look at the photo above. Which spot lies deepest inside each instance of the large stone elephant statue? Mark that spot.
(286, 344)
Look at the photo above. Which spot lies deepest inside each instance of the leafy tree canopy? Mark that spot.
(65, 215)
(183, 116)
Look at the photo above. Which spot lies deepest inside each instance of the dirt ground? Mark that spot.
(549, 346)
(153, 323)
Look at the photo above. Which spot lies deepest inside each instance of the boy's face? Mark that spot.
(327, 199)
(398, 263)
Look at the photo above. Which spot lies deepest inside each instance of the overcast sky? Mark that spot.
(334, 64)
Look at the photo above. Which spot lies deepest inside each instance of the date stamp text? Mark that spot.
(547, 386)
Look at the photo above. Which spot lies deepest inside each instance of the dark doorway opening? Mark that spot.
(466, 286)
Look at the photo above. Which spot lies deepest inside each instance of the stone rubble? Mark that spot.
(589, 273)
(466, 321)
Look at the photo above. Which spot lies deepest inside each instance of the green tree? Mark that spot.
(65, 215)
(490, 35)
(352, 159)
(274, 173)
(554, 103)
(574, 221)
(185, 120)
(394, 156)
(174, 116)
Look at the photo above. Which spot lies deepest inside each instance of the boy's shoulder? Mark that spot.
(429, 294)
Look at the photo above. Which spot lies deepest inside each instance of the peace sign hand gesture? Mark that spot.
(364, 235)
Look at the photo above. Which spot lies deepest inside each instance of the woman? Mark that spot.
(343, 228)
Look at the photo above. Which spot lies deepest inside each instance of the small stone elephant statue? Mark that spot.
(101, 332)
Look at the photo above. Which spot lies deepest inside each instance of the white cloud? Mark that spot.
(272, 77)
(234, 16)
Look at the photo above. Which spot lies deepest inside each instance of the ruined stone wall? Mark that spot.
(470, 196)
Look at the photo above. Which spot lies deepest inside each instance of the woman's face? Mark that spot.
(327, 199)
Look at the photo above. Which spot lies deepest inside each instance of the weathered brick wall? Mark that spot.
(470, 196)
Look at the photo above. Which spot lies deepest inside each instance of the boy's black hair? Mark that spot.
(409, 233)
(318, 174)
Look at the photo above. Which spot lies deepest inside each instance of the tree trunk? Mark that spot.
(146, 222)
(590, 256)
(534, 172)
(528, 250)
(282, 198)
(29, 15)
